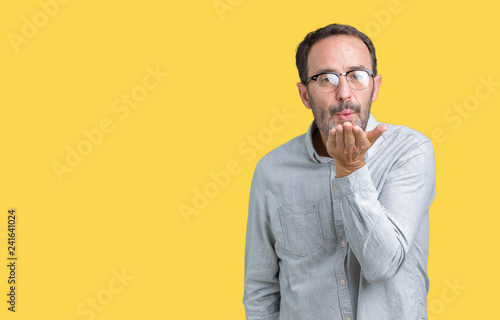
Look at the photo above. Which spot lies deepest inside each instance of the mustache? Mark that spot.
(345, 105)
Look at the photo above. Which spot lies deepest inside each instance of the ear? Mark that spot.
(303, 94)
(377, 81)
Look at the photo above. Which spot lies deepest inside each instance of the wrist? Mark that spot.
(342, 170)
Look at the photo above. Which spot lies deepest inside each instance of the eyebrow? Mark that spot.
(322, 70)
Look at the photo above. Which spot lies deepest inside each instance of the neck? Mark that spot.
(319, 143)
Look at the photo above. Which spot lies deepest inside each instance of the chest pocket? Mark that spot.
(301, 228)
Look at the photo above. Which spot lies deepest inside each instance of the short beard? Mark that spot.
(325, 125)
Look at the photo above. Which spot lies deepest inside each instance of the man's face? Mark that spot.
(339, 54)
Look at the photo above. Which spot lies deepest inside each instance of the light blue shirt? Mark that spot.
(356, 247)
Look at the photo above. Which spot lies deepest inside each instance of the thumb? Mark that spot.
(376, 133)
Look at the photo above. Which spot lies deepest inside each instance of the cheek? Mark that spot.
(364, 101)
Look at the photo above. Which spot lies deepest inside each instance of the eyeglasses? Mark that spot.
(328, 81)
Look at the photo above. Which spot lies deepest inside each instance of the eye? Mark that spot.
(331, 78)
(358, 76)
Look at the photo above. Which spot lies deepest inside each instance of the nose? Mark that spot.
(343, 92)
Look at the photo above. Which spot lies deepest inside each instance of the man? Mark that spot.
(338, 217)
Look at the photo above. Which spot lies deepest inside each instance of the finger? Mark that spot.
(359, 135)
(339, 136)
(376, 133)
(349, 139)
(330, 142)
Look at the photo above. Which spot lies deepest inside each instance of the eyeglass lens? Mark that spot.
(357, 79)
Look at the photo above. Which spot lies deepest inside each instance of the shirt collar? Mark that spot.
(372, 123)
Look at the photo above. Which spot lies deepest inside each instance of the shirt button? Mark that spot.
(343, 244)
(334, 188)
(342, 282)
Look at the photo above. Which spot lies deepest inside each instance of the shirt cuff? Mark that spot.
(352, 183)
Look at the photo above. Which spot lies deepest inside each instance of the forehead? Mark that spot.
(338, 53)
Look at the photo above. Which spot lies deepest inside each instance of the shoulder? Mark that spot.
(402, 143)
(400, 133)
(292, 152)
(397, 137)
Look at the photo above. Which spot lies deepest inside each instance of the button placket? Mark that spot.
(340, 275)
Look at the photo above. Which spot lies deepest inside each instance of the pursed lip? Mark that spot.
(345, 115)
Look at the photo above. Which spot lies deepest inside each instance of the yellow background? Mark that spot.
(230, 70)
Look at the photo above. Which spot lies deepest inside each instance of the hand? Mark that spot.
(347, 145)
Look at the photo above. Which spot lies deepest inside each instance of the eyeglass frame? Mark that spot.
(370, 74)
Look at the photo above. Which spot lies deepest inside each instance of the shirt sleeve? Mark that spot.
(381, 223)
(262, 290)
